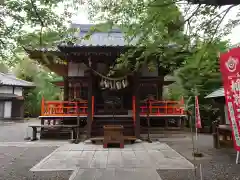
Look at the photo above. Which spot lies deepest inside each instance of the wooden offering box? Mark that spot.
(113, 134)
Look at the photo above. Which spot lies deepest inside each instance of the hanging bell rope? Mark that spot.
(109, 78)
(103, 76)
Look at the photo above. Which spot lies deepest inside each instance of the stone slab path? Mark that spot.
(93, 162)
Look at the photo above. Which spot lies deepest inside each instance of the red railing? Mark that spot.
(92, 107)
(161, 108)
(72, 108)
(64, 108)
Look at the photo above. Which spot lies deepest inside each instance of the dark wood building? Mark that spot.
(98, 99)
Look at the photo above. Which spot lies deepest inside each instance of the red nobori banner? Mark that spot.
(197, 114)
(230, 69)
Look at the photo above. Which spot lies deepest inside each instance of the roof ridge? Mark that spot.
(19, 79)
(9, 78)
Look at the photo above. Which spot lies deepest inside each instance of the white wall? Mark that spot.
(76, 69)
(9, 90)
(18, 91)
(6, 89)
(7, 109)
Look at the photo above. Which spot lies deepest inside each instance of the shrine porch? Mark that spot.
(162, 114)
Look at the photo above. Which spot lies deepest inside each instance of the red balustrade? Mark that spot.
(75, 108)
(92, 107)
(161, 108)
(64, 108)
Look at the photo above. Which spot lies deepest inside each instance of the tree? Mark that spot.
(163, 28)
(3, 68)
(200, 78)
(33, 20)
(157, 24)
(42, 78)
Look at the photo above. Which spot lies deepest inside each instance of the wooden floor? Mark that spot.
(116, 116)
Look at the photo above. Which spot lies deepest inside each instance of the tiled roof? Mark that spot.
(112, 38)
(218, 93)
(11, 80)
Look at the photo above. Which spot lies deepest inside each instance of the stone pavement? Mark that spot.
(135, 162)
(17, 157)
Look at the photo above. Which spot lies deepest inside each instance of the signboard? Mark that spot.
(197, 114)
(230, 69)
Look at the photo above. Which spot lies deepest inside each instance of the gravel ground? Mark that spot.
(216, 164)
(15, 163)
(15, 131)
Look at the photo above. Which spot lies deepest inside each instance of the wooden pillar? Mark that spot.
(160, 89)
(90, 94)
(136, 82)
(160, 83)
(166, 123)
(66, 89)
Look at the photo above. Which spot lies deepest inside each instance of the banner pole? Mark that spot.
(237, 157)
(196, 144)
(196, 128)
(197, 125)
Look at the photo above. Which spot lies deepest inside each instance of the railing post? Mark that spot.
(134, 109)
(182, 105)
(136, 86)
(92, 107)
(42, 106)
(166, 107)
(182, 101)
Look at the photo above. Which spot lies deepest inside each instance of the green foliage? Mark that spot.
(3, 68)
(200, 77)
(31, 71)
(34, 24)
(183, 40)
(144, 26)
(39, 23)
(161, 29)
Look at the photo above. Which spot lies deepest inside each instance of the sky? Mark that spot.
(234, 37)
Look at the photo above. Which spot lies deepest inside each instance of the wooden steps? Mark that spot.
(99, 122)
(126, 138)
